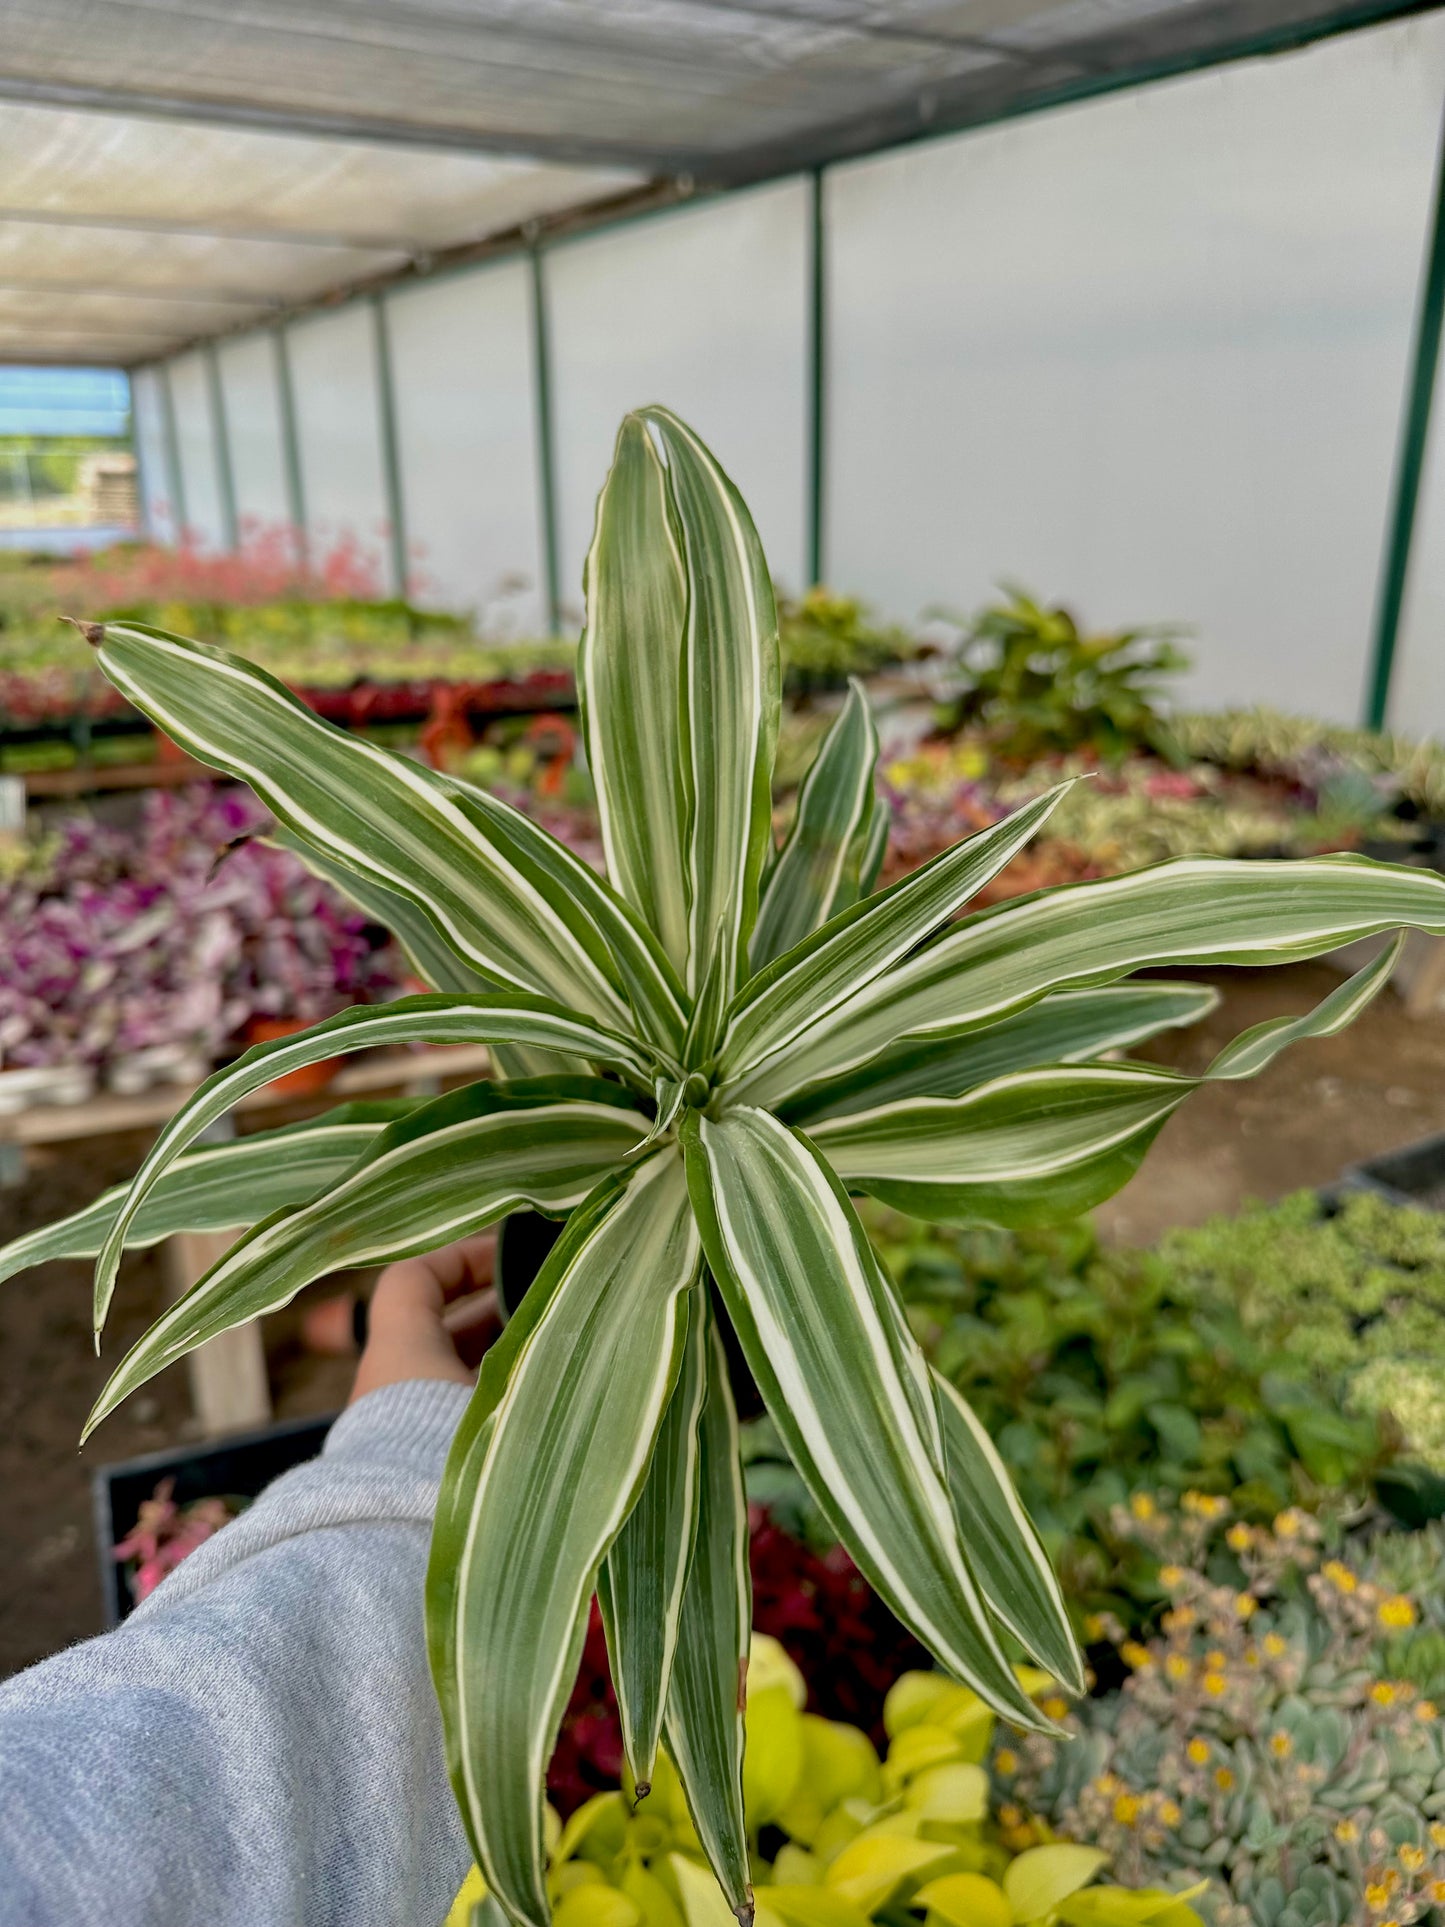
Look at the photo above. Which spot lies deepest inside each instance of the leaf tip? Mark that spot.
(93, 632)
(746, 1911)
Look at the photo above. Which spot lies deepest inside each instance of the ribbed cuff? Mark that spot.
(410, 1425)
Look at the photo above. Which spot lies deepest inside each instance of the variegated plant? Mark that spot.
(704, 1057)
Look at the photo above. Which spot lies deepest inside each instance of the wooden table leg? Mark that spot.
(229, 1386)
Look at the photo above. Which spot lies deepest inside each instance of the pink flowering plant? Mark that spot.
(166, 1533)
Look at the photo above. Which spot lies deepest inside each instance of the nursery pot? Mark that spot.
(305, 1082)
(239, 1467)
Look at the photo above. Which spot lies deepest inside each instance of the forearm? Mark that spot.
(260, 1740)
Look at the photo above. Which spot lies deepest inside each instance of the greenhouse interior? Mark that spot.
(722, 963)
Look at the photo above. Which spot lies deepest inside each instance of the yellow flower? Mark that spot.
(1171, 1576)
(1412, 1859)
(1094, 1626)
(1010, 1816)
(1215, 1683)
(1346, 1832)
(1339, 1575)
(1437, 1889)
(1245, 1604)
(1205, 1505)
(1177, 1666)
(1396, 1612)
(1126, 1809)
(1275, 1645)
(1437, 1835)
(1135, 1655)
(1056, 1708)
(1281, 1745)
(1005, 1761)
(1239, 1537)
(1198, 1751)
(1383, 1693)
(1170, 1813)
(1106, 1784)
(1377, 1897)
(1427, 1710)
(1223, 1778)
(1142, 1506)
(1289, 1522)
(1180, 1619)
(1215, 1660)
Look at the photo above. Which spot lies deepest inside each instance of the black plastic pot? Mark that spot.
(239, 1467)
(1415, 1174)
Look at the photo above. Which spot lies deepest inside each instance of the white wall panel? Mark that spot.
(464, 384)
(252, 399)
(1145, 355)
(705, 311)
(196, 445)
(148, 418)
(333, 374)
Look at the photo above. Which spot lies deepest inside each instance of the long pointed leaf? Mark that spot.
(494, 1017)
(1040, 1145)
(567, 1446)
(706, 1700)
(450, 1169)
(640, 1586)
(1013, 1569)
(818, 870)
(1070, 1027)
(1193, 910)
(784, 1004)
(378, 813)
(730, 699)
(219, 1186)
(844, 1382)
(629, 685)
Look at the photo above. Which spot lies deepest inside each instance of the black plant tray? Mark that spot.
(1415, 1174)
(238, 1467)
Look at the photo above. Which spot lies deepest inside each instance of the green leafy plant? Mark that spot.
(1037, 684)
(1271, 1736)
(657, 1038)
(850, 1838)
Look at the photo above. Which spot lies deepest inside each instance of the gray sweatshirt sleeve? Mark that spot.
(259, 1741)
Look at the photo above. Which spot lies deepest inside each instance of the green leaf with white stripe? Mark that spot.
(640, 1587)
(568, 1443)
(819, 869)
(730, 699)
(492, 1017)
(220, 1185)
(450, 1169)
(1070, 1027)
(629, 686)
(1192, 910)
(377, 813)
(1008, 1557)
(707, 1695)
(843, 1380)
(1040, 1145)
(784, 1004)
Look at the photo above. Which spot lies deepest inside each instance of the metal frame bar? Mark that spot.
(142, 493)
(546, 446)
(1413, 439)
(221, 441)
(390, 450)
(173, 451)
(291, 448)
(817, 373)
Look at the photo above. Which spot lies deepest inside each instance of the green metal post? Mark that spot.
(546, 453)
(1410, 461)
(390, 452)
(291, 449)
(173, 451)
(220, 431)
(817, 373)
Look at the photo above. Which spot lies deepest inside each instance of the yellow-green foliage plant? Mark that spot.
(656, 1035)
(855, 1839)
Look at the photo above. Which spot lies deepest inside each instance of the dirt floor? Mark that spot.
(1319, 1108)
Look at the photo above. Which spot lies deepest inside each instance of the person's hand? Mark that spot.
(431, 1317)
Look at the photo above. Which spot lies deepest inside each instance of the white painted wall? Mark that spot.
(1145, 354)
(148, 420)
(706, 311)
(196, 445)
(464, 385)
(251, 392)
(333, 375)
